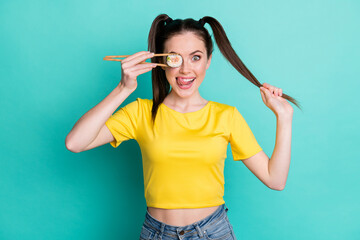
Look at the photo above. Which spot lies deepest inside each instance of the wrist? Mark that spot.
(122, 89)
(284, 116)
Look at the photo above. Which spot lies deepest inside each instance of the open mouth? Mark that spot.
(185, 83)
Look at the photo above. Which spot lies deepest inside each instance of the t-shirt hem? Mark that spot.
(243, 158)
(169, 206)
(114, 143)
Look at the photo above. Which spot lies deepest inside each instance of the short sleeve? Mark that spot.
(242, 141)
(123, 123)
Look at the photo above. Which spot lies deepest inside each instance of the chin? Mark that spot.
(184, 92)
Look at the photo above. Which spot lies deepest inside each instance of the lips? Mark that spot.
(185, 80)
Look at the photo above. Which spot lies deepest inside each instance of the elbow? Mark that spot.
(277, 187)
(69, 146)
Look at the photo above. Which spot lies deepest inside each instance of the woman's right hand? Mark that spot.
(131, 67)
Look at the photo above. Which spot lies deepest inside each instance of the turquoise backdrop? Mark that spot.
(52, 72)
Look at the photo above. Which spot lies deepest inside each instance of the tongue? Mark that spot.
(182, 82)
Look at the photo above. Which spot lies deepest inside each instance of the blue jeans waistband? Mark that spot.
(203, 223)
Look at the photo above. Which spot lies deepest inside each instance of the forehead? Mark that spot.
(184, 43)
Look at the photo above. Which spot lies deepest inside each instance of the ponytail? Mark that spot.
(164, 27)
(229, 53)
(161, 86)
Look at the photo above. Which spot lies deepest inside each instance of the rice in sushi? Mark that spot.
(174, 60)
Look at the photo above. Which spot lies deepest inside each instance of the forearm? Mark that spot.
(280, 160)
(88, 126)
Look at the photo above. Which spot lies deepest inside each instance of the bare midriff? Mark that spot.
(182, 216)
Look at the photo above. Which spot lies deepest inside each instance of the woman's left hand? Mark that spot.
(272, 97)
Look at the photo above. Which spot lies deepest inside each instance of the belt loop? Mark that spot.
(162, 227)
(199, 230)
(226, 209)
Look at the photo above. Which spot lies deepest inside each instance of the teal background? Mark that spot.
(52, 72)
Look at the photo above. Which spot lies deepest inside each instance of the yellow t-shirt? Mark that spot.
(183, 156)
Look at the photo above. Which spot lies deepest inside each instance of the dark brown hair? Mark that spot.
(164, 27)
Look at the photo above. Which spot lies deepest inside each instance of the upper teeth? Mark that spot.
(187, 80)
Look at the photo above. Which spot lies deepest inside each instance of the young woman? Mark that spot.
(183, 137)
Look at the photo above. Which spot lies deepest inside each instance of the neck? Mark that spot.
(175, 100)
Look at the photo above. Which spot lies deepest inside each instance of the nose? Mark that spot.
(185, 67)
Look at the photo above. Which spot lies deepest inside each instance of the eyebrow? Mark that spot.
(190, 53)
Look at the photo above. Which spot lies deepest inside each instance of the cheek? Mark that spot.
(201, 68)
(171, 72)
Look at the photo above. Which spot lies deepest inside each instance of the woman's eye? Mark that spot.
(197, 57)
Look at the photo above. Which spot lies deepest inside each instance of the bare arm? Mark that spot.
(90, 130)
(88, 127)
(279, 163)
(274, 172)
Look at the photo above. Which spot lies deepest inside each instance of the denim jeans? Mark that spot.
(215, 226)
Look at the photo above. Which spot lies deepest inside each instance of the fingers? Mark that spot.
(143, 70)
(133, 72)
(262, 94)
(135, 65)
(265, 91)
(136, 59)
(273, 90)
(131, 57)
(141, 66)
(276, 92)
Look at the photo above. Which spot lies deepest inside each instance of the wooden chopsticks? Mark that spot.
(110, 58)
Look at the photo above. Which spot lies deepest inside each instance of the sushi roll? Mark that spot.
(174, 60)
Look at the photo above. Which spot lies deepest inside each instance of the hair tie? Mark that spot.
(168, 20)
(202, 21)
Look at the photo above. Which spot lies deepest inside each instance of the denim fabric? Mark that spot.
(216, 226)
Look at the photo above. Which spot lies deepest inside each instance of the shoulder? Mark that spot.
(136, 106)
(222, 108)
(144, 102)
(141, 105)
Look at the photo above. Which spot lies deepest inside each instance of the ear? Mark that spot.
(209, 61)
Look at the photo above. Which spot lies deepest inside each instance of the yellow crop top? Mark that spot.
(183, 156)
